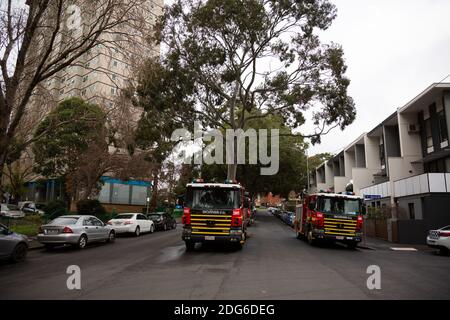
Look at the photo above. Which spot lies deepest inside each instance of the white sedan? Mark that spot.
(132, 223)
(440, 239)
(11, 211)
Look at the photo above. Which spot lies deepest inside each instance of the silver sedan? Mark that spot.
(76, 230)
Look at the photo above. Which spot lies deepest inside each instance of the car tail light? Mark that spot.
(67, 230)
(236, 218)
(359, 223)
(444, 234)
(319, 219)
(128, 222)
(109, 222)
(186, 219)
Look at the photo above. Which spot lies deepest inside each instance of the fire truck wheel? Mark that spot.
(190, 246)
(352, 245)
(310, 238)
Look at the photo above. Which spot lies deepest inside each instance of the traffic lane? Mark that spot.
(43, 274)
(404, 275)
(272, 265)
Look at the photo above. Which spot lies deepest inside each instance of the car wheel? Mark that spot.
(111, 237)
(82, 242)
(137, 232)
(19, 253)
(174, 225)
(152, 228)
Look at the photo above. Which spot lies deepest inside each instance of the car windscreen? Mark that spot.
(338, 205)
(64, 221)
(213, 198)
(124, 216)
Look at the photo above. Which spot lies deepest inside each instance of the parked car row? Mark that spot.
(23, 208)
(80, 230)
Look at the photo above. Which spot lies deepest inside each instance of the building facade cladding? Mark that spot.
(403, 163)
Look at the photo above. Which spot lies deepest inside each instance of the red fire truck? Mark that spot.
(215, 212)
(330, 216)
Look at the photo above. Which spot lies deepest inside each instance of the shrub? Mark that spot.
(92, 208)
(55, 208)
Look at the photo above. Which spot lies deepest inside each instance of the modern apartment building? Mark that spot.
(402, 166)
(98, 76)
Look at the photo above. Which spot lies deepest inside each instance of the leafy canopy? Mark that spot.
(66, 134)
(265, 55)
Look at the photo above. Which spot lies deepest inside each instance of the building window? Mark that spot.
(61, 91)
(113, 91)
(85, 78)
(443, 133)
(429, 136)
(115, 63)
(412, 212)
(114, 77)
(83, 93)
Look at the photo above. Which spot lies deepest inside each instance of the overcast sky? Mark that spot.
(394, 49)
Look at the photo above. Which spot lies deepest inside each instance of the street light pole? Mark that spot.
(148, 202)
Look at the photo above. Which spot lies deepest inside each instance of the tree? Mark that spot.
(316, 160)
(73, 138)
(292, 171)
(43, 37)
(264, 55)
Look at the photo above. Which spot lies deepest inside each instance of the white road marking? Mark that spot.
(403, 249)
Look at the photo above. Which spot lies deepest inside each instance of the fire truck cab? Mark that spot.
(330, 216)
(215, 212)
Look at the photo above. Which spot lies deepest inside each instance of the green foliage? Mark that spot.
(316, 160)
(217, 63)
(90, 207)
(55, 209)
(292, 170)
(65, 134)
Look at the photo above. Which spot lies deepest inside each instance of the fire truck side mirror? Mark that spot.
(246, 203)
(363, 209)
(312, 206)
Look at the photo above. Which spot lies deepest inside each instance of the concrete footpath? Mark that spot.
(380, 244)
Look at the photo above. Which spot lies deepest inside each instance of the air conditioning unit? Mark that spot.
(413, 128)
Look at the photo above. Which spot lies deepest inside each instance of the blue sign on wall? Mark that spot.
(372, 196)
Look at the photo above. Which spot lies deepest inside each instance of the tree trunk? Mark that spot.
(154, 199)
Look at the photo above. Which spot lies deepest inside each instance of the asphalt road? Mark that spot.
(272, 265)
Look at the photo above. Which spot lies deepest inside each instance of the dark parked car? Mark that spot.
(13, 246)
(162, 220)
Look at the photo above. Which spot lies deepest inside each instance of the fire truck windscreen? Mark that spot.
(212, 198)
(339, 205)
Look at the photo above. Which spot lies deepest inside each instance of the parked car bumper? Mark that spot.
(124, 229)
(438, 243)
(58, 239)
